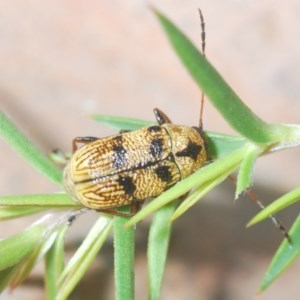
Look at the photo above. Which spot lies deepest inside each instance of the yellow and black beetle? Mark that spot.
(127, 168)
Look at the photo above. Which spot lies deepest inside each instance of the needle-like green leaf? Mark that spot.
(221, 95)
(47, 200)
(13, 212)
(284, 256)
(20, 143)
(201, 191)
(279, 204)
(244, 179)
(158, 245)
(54, 264)
(83, 257)
(121, 123)
(17, 247)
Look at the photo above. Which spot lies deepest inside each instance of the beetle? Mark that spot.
(126, 168)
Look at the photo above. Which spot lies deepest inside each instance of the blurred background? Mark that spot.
(61, 61)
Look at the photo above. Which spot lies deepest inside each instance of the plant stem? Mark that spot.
(123, 259)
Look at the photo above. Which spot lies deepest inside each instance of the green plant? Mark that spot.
(45, 237)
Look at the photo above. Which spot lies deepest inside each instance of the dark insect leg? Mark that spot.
(161, 117)
(74, 215)
(124, 130)
(83, 140)
(135, 206)
(275, 221)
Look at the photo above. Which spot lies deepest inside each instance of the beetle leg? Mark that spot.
(123, 131)
(161, 117)
(134, 208)
(82, 140)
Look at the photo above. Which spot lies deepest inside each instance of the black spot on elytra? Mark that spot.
(163, 172)
(127, 183)
(156, 148)
(118, 139)
(192, 150)
(154, 128)
(118, 156)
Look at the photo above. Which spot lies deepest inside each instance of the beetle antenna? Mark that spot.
(203, 44)
(275, 221)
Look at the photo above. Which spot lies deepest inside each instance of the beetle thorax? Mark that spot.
(188, 148)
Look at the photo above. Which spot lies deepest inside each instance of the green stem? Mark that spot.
(124, 259)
